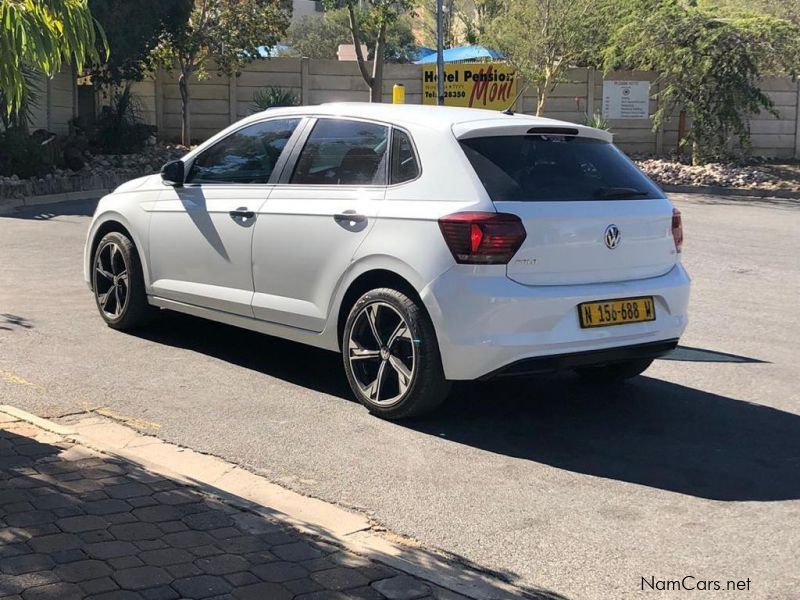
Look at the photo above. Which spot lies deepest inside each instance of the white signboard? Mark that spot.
(626, 99)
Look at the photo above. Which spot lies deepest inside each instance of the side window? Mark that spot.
(245, 156)
(341, 152)
(404, 160)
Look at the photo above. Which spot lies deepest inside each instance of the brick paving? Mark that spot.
(77, 524)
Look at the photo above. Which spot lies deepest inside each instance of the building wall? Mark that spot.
(219, 101)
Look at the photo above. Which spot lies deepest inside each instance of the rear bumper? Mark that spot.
(561, 362)
(486, 323)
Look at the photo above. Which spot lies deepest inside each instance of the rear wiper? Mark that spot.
(618, 192)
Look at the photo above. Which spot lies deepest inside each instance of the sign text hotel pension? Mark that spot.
(477, 85)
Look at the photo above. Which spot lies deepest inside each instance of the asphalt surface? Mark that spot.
(691, 470)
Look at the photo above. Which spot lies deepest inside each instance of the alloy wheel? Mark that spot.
(382, 353)
(111, 280)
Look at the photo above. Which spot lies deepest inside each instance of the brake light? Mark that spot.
(478, 238)
(677, 229)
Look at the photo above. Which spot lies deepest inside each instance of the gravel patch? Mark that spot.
(665, 172)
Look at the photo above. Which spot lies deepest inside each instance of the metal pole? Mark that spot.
(440, 51)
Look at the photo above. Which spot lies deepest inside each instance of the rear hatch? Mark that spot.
(590, 215)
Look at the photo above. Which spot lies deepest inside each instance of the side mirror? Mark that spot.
(172, 173)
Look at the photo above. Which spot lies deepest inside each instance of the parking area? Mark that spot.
(579, 492)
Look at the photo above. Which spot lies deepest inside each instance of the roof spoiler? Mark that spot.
(524, 125)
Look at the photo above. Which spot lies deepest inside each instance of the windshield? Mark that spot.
(555, 167)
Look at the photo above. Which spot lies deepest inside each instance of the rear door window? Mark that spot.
(245, 156)
(555, 167)
(404, 159)
(343, 152)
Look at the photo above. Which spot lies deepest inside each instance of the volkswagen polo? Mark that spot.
(426, 244)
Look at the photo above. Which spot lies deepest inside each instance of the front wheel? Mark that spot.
(614, 372)
(391, 356)
(118, 283)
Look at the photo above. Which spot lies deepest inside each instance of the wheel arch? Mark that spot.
(109, 223)
(400, 277)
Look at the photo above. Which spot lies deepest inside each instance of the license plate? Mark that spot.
(617, 312)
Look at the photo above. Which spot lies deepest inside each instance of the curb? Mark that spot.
(723, 191)
(255, 494)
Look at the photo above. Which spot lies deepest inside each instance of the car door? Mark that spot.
(201, 232)
(316, 217)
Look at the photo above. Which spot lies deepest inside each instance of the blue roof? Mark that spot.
(421, 52)
(461, 54)
(274, 51)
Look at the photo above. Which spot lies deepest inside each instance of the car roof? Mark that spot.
(464, 122)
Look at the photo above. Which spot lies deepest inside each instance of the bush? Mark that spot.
(119, 128)
(272, 97)
(597, 120)
(21, 154)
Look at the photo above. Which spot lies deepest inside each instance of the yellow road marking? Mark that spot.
(16, 379)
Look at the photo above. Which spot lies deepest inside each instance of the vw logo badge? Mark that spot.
(612, 237)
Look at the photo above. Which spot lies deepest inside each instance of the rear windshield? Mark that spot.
(555, 167)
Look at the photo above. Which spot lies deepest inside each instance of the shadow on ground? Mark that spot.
(9, 322)
(76, 524)
(647, 431)
(688, 354)
(45, 212)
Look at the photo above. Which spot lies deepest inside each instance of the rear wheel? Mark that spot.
(614, 372)
(118, 283)
(391, 356)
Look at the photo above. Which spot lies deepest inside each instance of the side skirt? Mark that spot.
(318, 340)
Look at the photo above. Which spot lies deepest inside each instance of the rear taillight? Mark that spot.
(478, 238)
(677, 229)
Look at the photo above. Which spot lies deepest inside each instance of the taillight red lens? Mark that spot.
(478, 238)
(677, 229)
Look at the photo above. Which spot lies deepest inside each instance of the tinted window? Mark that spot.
(539, 167)
(245, 156)
(404, 160)
(342, 152)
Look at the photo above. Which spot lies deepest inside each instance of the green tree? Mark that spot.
(319, 36)
(43, 34)
(708, 67)
(133, 28)
(464, 21)
(782, 9)
(377, 16)
(544, 38)
(227, 32)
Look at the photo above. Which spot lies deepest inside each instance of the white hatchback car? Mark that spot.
(427, 244)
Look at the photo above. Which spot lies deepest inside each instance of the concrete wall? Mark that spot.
(219, 101)
(57, 102)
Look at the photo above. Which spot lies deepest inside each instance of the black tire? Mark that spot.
(416, 345)
(116, 256)
(614, 372)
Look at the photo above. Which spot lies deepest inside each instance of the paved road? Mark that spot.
(691, 470)
(81, 525)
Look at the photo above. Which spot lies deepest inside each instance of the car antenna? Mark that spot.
(510, 112)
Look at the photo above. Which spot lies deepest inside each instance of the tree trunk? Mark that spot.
(541, 100)
(680, 150)
(354, 31)
(186, 126)
(376, 89)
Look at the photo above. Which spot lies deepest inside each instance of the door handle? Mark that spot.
(242, 213)
(349, 216)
